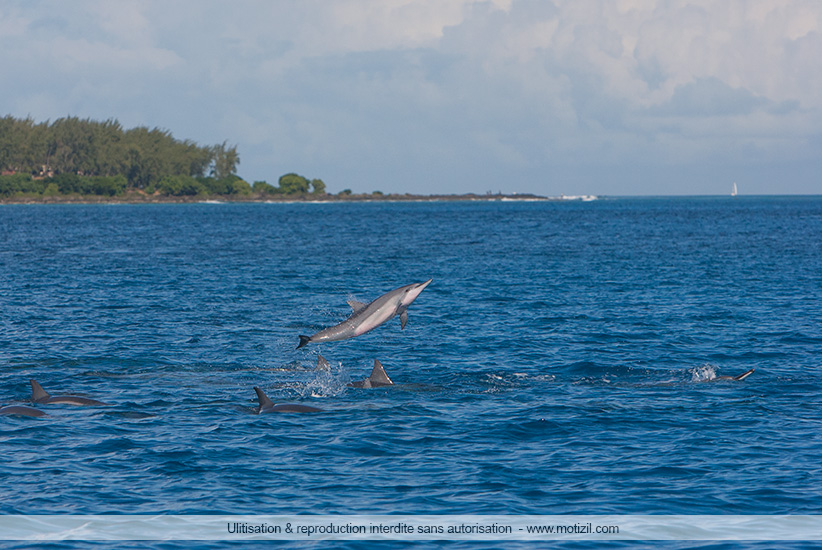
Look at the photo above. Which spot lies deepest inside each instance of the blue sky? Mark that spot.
(611, 97)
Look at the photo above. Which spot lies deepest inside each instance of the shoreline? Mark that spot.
(142, 198)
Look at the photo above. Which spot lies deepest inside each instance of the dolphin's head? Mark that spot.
(411, 292)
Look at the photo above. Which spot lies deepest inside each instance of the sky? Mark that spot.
(610, 97)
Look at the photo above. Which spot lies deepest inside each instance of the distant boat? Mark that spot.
(733, 193)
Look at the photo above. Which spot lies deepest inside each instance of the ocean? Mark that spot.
(564, 360)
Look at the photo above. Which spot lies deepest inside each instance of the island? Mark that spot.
(73, 160)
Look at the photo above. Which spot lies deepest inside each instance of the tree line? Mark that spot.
(87, 157)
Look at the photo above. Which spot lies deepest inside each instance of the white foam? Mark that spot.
(328, 383)
(585, 198)
(703, 373)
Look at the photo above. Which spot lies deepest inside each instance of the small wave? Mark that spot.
(501, 380)
(130, 415)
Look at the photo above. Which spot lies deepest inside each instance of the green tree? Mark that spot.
(317, 187)
(71, 146)
(293, 184)
(263, 188)
(67, 183)
(198, 158)
(19, 183)
(88, 148)
(240, 187)
(225, 161)
(8, 143)
(22, 145)
(104, 185)
(110, 152)
(180, 186)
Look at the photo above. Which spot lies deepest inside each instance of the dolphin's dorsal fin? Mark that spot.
(322, 363)
(356, 306)
(744, 375)
(265, 402)
(378, 375)
(403, 319)
(37, 392)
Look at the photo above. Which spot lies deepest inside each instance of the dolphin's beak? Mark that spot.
(414, 291)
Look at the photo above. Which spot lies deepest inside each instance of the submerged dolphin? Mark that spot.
(39, 395)
(738, 378)
(21, 410)
(369, 316)
(375, 380)
(267, 406)
(322, 364)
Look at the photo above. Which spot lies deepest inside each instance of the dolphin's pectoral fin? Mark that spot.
(304, 340)
(356, 306)
(403, 319)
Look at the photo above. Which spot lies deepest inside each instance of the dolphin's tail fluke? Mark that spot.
(304, 340)
(37, 392)
(744, 375)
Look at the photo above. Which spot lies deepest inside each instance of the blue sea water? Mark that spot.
(560, 362)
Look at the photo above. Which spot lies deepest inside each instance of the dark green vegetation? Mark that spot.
(291, 184)
(71, 157)
(76, 160)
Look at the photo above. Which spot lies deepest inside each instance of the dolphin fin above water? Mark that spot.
(39, 395)
(265, 402)
(376, 379)
(737, 378)
(268, 406)
(367, 317)
(322, 364)
(744, 375)
(378, 375)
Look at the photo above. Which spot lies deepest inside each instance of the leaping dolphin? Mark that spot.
(369, 316)
(39, 395)
(267, 406)
(377, 378)
(21, 410)
(738, 378)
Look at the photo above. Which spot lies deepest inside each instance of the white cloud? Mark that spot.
(469, 87)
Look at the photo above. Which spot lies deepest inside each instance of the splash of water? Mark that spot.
(328, 383)
(703, 373)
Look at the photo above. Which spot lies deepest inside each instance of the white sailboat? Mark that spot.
(733, 193)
